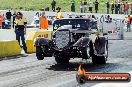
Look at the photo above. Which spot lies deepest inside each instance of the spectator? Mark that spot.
(127, 20)
(8, 15)
(20, 24)
(108, 6)
(43, 24)
(126, 7)
(90, 6)
(112, 8)
(123, 7)
(81, 6)
(119, 6)
(14, 16)
(53, 4)
(59, 14)
(96, 6)
(72, 6)
(116, 7)
(1, 20)
(85, 5)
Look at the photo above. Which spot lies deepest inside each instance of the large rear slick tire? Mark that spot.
(101, 46)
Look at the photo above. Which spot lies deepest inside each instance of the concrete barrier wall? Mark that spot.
(9, 46)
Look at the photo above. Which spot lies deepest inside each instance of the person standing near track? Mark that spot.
(90, 6)
(126, 7)
(8, 17)
(116, 7)
(20, 29)
(43, 21)
(81, 6)
(96, 6)
(119, 7)
(72, 6)
(128, 22)
(53, 4)
(112, 7)
(108, 6)
(59, 14)
(1, 20)
(85, 6)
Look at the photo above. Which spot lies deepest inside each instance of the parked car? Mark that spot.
(73, 38)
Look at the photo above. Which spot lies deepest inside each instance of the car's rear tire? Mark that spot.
(101, 59)
(61, 59)
(39, 53)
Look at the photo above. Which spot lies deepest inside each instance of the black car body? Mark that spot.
(72, 38)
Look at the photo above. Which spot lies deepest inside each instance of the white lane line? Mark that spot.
(129, 84)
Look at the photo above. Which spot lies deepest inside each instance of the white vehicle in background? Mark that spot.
(35, 21)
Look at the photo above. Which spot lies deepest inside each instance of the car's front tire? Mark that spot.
(39, 53)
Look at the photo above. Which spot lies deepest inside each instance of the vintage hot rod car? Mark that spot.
(73, 38)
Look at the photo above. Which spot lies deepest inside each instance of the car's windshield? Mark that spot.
(76, 23)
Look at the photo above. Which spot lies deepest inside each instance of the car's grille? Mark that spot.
(62, 38)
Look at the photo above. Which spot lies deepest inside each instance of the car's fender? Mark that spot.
(41, 41)
(82, 42)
